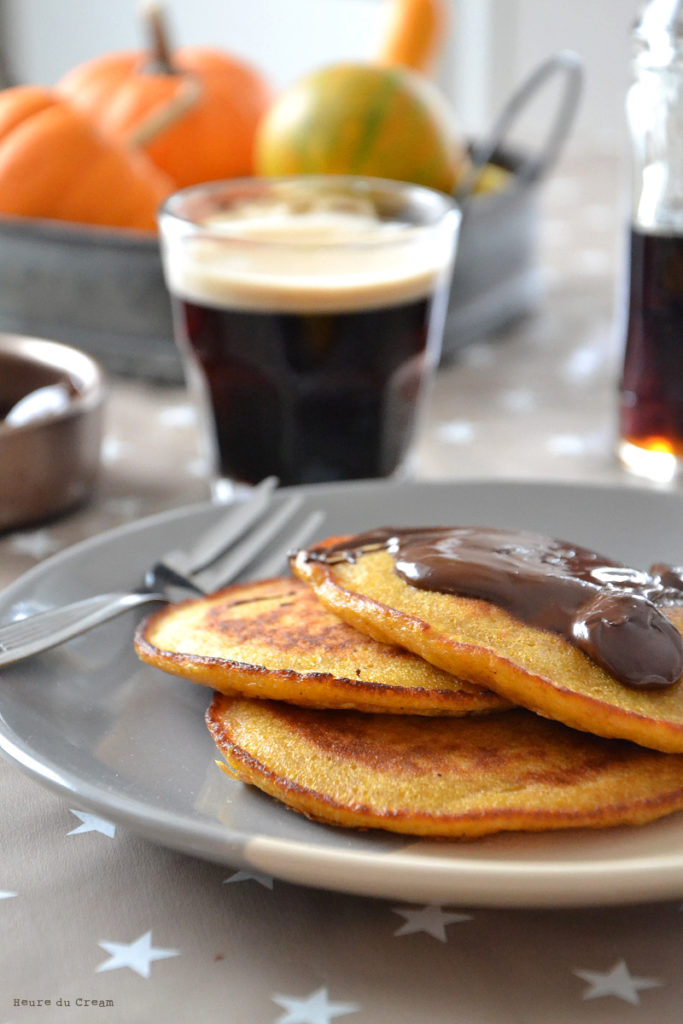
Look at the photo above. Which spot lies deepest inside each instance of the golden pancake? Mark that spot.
(274, 639)
(480, 642)
(442, 777)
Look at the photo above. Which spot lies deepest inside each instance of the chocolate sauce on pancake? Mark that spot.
(608, 610)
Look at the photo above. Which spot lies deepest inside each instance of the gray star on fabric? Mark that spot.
(138, 955)
(250, 876)
(313, 1009)
(91, 823)
(431, 919)
(37, 544)
(617, 982)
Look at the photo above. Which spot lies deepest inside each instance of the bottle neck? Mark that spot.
(658, 34)
(654, 110)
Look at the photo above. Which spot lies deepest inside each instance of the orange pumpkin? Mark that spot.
(416, 30)
(194, 112)
(55, 164)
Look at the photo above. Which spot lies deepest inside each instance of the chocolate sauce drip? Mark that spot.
(608, 610)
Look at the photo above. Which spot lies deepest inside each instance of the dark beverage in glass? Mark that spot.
(309, 397)
(309, 326)
(651, 394)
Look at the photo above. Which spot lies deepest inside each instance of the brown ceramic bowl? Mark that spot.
(49, 463)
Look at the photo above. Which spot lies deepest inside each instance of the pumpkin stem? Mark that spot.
(189, 89)
(156, 26)
(186, 99)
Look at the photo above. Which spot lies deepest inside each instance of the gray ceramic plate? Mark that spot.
(130, 744)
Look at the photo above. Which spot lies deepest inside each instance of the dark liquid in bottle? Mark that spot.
(651, 411)
(312, 397)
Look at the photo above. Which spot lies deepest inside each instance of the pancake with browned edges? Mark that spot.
(274, 639)
(442, 777)
(480, 642)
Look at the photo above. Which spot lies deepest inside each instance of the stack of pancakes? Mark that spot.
(360, 700)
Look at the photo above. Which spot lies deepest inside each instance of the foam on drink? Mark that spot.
(331, 255)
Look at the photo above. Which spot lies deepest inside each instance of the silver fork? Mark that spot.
(251, 536)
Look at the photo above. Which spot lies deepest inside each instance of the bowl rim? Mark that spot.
(89, 376)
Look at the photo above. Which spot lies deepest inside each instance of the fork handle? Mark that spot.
(46, 629)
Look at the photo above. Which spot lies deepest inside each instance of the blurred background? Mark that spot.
(535, 331)
(491, 44)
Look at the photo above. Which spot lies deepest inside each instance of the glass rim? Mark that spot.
(444, 206)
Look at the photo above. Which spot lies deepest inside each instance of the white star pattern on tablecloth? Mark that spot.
(456, 432)
(138, 955)
(178, 416)
(196, 467)
(124, 508)
(566, 444)
(250, 876)
(113, 449)
(91, 823)
(313, 1009)
(616, 982)
(38, 544)
(518, 400)
(431, 919)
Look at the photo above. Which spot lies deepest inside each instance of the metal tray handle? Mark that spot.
(565, 63)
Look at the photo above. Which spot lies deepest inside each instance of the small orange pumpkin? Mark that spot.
(194, 112)
(55, 164)
(416, 31)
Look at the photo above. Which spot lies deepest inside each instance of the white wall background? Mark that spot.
(491, 46)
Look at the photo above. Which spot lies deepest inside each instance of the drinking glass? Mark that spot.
(309, 313)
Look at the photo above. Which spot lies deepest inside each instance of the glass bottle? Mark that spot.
(651, 389)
